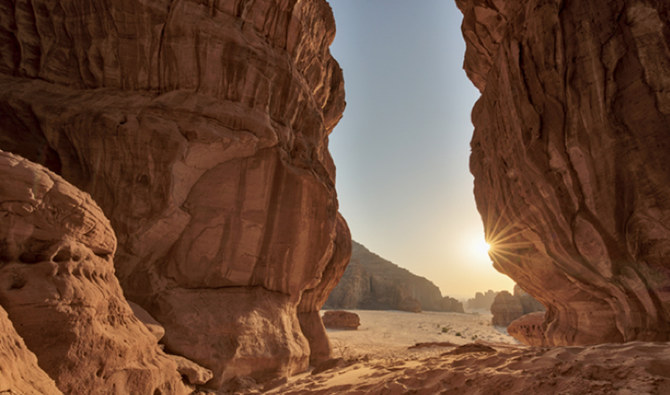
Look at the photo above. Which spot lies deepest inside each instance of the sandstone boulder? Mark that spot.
(529, 329)
(336, 319)
(202, 131)
(569, 156)
(58, 287)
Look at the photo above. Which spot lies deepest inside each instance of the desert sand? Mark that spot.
(377, 359)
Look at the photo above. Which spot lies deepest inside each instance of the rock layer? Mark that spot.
(372, 282)
(58, 287)
(569, 156)
(201, 129)
(507, 307)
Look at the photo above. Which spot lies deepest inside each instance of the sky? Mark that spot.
(403, 144)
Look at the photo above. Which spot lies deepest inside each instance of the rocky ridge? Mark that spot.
(371, 282)
(201, 130)
(569, 155)
(508, 307)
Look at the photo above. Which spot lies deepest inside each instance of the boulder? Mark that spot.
(337, 319)
(569, 157)
(58, 287)
(529, 329)
(202, 132)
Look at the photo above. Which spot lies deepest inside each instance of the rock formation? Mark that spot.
(336, 319)
(371, 282)
(19, 372)
(58, 287)
(569, 156)
(529, 329)
(201, 130)
(507, 307)
(481, 301)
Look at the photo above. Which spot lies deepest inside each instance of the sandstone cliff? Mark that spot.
(570, 155)
(58, 287)
(201, 130)
(371, 282)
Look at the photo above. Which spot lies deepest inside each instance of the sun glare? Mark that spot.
(480, 249)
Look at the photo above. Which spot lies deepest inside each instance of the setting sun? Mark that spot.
(480, 249)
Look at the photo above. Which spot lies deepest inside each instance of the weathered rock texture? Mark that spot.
(371, 282)
(19, 373)
(529, 329)
(201, 129)
(507, 307)
(569, 154)
(58, 287)
(337, 319)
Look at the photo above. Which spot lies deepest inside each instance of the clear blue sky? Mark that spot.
(403, 145)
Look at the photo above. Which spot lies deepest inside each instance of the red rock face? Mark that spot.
(570, 154)
(202, 132)
(58, 287)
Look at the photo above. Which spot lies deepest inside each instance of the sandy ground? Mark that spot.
(388, 334)
(482, 360)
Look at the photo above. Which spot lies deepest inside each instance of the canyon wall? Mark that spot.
(569, 154)
(201, 129)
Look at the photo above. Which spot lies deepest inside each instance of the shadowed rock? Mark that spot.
(202, 131)
(569, 155)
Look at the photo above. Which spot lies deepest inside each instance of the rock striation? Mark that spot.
(529, 329)
(58, 287)
(569, 155)
(508, 307)
(201, 129)
(371, 282)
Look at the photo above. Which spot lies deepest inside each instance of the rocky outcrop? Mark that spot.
(201, 129)
(371, 282)
(507, 307)
(529, 329)
(58, 287)
(481, 301)
(19, 373)
(569, 156)
(336, 319)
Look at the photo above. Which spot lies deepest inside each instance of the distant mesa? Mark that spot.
(370, 282)
(481, 301)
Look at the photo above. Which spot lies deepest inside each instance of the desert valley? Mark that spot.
(170, 220)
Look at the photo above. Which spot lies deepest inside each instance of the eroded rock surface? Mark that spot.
(201, 129)
(58, 287)
(338, 319)
(507, 307)
(19, 373)
(570, 155)
(372, 282)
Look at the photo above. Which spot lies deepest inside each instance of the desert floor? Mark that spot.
(481, 359)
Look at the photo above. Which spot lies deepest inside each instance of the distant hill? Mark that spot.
(371, 282)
